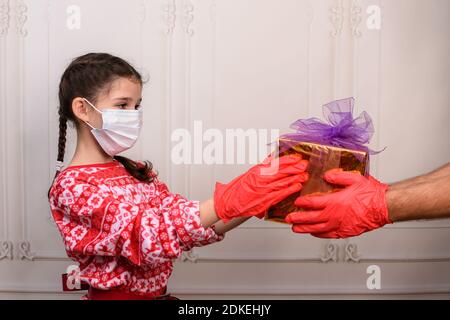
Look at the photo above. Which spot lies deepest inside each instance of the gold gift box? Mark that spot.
(321, 159)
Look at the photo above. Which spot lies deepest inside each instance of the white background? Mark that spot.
(234, 64)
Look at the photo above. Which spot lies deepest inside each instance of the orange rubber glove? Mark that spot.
(263, 185)
(358, 208)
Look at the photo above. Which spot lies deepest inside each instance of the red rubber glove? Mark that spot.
(358, 208)
(254, 192)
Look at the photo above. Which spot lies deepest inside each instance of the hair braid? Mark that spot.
(86, 76)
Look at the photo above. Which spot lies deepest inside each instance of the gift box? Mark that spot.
(340, 143)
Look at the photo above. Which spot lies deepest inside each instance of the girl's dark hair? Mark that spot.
(86, 77)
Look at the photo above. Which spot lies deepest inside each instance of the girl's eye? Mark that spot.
(122, 106)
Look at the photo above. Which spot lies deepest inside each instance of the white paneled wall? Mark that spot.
(234, 64)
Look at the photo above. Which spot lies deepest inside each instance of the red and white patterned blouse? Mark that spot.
(123, 232)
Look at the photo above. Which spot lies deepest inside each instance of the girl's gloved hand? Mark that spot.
(358, 208)
(263, 185)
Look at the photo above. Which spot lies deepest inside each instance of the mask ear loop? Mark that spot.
(95, 110)
(89, 125)
(92, 105)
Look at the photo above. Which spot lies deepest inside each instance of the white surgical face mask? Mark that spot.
(120, 129)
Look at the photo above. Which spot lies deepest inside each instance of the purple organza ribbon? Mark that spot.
(342, 130)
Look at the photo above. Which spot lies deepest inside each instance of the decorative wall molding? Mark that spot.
(50, 256)
(25, 253)
(197, 258)
(255, 290)
(142, 14)
(4, 17)
(188, 17)
(262, 259)
(170, 16)
(189, 256)
(355, 18)
(309, 13)
(314, 290)
(331, 253)
(337, 18)
(213, 24)
(6, 250)
(21, 17)
(4, 27)
(170, 9)
(21, 11)
(212, 12)
(351, 254)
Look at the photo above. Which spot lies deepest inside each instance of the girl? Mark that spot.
(117, 220)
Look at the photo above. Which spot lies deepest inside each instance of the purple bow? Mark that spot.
(342, 130)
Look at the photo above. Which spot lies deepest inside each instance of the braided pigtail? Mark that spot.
(61, 145)
(87, 76)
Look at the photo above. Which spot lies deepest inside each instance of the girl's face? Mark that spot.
(122, 94)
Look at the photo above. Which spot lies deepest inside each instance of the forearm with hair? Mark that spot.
(443, 171)
(427, 198)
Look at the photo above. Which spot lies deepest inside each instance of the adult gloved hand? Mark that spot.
(263, 185)
(358, 208)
